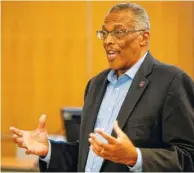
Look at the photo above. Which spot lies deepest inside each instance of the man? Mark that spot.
(151, 105)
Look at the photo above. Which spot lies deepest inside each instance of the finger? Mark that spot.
(19, 141)
(22, 145)
(16, 131)
(97, 152)
(42, 121)
(30, 151)
(105, 154)
(15, 137)
(117, 129)
(106, 136)
(97, 142)
(27, 152)
(95, 145)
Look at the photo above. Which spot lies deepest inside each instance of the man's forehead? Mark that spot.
(117, 19)
(119, 15)
(113, 25)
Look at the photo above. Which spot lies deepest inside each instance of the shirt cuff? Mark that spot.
(48, 156)
(138, 166)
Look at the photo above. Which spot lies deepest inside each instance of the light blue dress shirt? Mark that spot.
(111, 104)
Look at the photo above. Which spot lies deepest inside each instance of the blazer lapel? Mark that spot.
(138, 86)
(131, 99)
(98, 97)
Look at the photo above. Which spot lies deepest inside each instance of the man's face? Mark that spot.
(125, 51)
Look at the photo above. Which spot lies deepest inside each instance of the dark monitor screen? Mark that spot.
(72, 118)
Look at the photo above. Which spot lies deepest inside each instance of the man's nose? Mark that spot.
(109, 39)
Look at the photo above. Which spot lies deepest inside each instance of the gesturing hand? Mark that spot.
(119, 150)
(36, 141)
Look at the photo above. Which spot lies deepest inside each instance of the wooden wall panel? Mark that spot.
(44, 63)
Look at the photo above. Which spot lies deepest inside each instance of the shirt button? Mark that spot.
(109, 109)
(117, 89)
(88, 170)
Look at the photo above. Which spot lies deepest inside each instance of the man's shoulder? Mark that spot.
(166, 69)
(165, 72)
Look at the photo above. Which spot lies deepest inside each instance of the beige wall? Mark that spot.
(50, 50)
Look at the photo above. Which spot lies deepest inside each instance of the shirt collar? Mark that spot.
(112, 77)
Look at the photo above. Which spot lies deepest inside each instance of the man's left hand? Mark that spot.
(118, 150)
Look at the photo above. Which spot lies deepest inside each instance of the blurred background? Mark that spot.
(50, 51)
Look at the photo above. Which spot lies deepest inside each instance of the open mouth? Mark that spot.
(111, 54)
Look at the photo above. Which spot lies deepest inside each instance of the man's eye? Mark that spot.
(104, 32)
(118, 33)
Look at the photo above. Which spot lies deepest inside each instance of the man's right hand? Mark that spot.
(36, 141)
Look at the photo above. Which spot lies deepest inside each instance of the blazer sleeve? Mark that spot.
(64, 158)
(177, 124)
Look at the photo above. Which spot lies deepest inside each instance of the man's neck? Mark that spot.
(122, 71)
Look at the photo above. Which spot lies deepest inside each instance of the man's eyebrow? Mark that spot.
(103, 27)
(118, 26)
(115, 26)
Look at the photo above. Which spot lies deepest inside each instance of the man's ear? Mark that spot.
(144, 38)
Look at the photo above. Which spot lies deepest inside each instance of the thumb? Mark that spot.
(42, 121)
(27, 152)
(117, 129)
